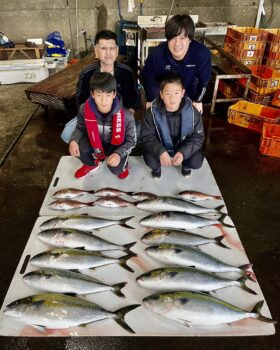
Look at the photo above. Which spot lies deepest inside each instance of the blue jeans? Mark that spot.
(68, 130)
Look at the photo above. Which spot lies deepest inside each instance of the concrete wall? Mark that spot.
(22, 19)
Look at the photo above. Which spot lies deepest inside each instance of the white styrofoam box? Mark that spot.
(37, 41)
(157, 21)
(23, 71)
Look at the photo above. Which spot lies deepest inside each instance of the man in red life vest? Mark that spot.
(105, 130)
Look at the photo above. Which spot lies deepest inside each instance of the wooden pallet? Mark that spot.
(21, 51)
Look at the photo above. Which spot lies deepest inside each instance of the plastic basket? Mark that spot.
(270, 140)
(245, 45)
(242, 53)
(251, 62)
(276, 99)
(247, 34)
(273, 35)
(252, 116)
(263, 99)
(272, 47)
(270, 63)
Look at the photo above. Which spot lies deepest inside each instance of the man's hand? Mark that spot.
(74, 149)
(165, 159)
(198, 106)
(148, 104)
(114, 160)
(177, 159)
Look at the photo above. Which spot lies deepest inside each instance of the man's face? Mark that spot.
(104, 100)
(107, 51)
(172, 95)
(178, 46)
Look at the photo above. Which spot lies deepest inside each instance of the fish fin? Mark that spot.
(128, 246)
(222, 218)
(71, 294)
(124, 223)
(120, 313)
(39, 328)
(218, 241)
(91, 192)
(123, 262)
(117, 289)
(242, 281)
(185, 323)
(257, 310)
(218, 197)
(220, 207)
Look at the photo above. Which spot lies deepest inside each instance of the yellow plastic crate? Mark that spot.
(252, 116)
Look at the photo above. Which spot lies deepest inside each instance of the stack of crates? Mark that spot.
(270, 141)
(252, 116)
(246, 44)
(276, 99)
(264, 82)
(272, 51)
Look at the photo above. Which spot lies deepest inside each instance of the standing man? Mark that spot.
(181, 53)
(107, 50)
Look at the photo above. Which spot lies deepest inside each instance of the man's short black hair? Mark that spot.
(103, 81)
(170, 77)
(105, 34)
(179, 24)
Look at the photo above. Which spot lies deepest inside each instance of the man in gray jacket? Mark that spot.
(105, 129)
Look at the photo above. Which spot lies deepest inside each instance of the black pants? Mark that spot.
(193, 162)
(87, 158)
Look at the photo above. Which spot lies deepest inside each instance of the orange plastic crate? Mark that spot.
(276, 99)
(270, 63)
(263, 99)
(273, 35)
(252, 116)
(242, 53)
(251, 62)
(245, 45)
(270, 140)
(272, 47)
(247, 33)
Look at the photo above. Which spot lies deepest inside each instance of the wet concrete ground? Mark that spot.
(250, 186)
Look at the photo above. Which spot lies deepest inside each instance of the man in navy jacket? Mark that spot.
(189, 58)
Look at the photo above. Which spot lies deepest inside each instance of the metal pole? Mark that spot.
(70, 27)
(260, 13)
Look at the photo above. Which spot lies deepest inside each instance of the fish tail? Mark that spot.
(222, 218)
(117, 289)
(123, 223)
(242, 281)
(120, 314)
(257, 310)
(219, 207)
(123, 262)
(250, 274)
(218, 241)
(128, 246)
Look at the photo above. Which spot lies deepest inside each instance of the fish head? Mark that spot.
(154, 236)
(18, 307)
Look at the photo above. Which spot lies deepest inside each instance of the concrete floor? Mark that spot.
(250, 186)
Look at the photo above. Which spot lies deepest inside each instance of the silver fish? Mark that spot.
(68, 204)
(141, 196)
(187, 279)
(76, 259)
(179, 221)
(71, 238)
(112, 192)
(182, 238)
(192, 308)
(113, 202)
(82, 222)
(174, 204)
(62, 281)
(197, 196)
(188, 256)
(59, 311)
(68, 193)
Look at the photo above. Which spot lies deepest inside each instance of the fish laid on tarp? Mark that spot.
(63, 281)
(112, 202)
(71, 238)
(59, 311)
(76, 259)
(110, 192)
(161, 204)
(187, 279)
(68, 193)
(188, 256)
(179, 221)
(182, 238)
(83, 222)
(68, 204)
(197, 196)
(192, 308)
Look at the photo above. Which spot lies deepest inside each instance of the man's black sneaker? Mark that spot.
(156, 174)
(186, 172)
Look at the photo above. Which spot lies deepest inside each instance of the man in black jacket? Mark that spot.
(172, 131)
(106, 50)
